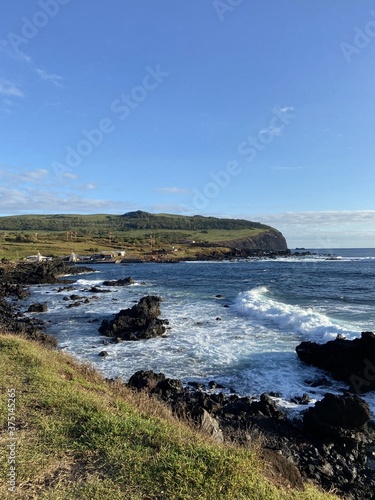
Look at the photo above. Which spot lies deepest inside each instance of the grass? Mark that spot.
(136, 242)
(79, 437)
(59, 235)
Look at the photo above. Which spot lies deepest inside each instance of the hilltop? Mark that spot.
(142, 234)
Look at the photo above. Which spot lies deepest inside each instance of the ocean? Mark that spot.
(236, 322)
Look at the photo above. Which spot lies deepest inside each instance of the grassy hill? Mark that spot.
(140, 233)
(80, 437)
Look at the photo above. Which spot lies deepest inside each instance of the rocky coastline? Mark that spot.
(14, 279)
(331, 444)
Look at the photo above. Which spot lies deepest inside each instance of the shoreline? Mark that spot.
(314, 456)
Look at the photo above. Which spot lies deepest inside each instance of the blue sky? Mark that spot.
(261, 110)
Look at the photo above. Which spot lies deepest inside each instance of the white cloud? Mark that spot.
(34, 175)
(11, 177)
(85, 187)
(324, 218)
(69, 175)
(18, 201)
(286, 109)
(10, 89)
(10, 198)
(325, 229)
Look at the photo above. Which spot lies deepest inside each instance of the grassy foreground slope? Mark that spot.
(79, 437)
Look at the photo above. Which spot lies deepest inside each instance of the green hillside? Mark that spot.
(89, 224)
(138, 232)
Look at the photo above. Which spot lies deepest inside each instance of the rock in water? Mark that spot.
(350, 360)
(122, 282)
(137, 323)
(37, 308)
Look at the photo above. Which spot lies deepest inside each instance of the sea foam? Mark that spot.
(258, 305)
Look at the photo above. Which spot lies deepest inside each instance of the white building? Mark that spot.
(37, 258)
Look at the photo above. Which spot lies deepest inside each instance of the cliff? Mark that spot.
(267, 241)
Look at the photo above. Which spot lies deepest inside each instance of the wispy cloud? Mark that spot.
(42, 73)
(25, 190)
(11, 177)
(50, 77)
(287, 168)
(9, 102)
(275, 131)
(10, 89)
(85, 187)
(323, 218)
(323, 229)
(168, 208)
(172, 190)
(34, 175)
(20, 201)
(331, 132)
(286, 109)
(70, 176)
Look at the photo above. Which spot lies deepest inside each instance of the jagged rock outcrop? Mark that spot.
(38, 273)
(137, 323)
(352, 361)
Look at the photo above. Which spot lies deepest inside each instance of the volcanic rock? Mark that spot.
(333, 412)
(137, 323)
(37, 308)
(147, 380)
(122, 282)
(350, 360)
